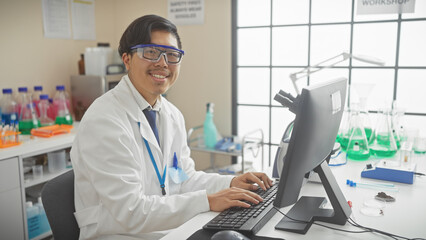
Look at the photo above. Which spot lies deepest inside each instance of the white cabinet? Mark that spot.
(17, 186)
(11, 212)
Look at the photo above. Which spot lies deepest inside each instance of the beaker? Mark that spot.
(384, 144)
(358, 143)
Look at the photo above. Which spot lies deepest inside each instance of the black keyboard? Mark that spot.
(246, 220)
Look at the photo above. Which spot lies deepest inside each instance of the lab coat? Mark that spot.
(117, 192)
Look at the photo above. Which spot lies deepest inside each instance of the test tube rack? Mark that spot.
(9, 138)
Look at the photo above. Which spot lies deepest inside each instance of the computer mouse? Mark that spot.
(229, 235)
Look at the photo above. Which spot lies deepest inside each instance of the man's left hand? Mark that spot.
(247, 180)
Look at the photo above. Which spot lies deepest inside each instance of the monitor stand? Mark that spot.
(309, 209)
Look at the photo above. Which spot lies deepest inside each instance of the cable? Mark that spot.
(355, 224)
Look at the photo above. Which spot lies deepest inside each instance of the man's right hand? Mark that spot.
(232, 197)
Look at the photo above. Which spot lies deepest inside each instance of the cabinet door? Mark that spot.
(11, 220)
(11, 215)
(9, 174)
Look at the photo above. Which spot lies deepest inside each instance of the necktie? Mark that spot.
(151, 117)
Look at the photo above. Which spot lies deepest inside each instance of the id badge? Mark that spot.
(176, 173)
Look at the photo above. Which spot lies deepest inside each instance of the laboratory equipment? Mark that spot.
(420, 145)
(86, 88)
(43, 107)
(28, 116)
(33, 220)
(61, 104)
(383, 187)
(328, 63)
(343, 135)
(363, 90)
(210, 131)
(309, 149)
(358, 145)
(405, 153)
(44, 223)
(38, 90)
(9, 108)
(9, 135)
(383, 144)
(56, 161)
(387, 170)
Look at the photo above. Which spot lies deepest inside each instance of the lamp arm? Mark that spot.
(315, 68)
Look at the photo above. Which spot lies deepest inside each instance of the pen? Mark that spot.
(175, 161)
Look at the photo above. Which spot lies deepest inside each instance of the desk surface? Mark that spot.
(404, 217)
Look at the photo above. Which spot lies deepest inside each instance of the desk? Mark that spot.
(404, 217)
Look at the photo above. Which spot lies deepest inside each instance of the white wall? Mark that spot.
(28, 59)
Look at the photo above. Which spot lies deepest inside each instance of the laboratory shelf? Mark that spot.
(30, 181)
(252, 141)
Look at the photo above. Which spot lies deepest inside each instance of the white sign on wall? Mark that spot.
(186, 12)
(385, 6)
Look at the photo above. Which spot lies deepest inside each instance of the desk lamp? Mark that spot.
(337, 59)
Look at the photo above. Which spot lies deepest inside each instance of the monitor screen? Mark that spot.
(318, 112)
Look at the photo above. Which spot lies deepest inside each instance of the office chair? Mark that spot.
(58, 201)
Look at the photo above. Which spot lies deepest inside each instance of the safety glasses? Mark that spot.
(153, 53)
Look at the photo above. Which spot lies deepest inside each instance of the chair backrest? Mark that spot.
(58, 201)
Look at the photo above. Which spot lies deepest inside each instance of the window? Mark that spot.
(273, 38)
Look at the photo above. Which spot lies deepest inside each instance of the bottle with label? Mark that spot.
(9, 108)
(44, 106)
(38, 90)
(210, 131)
(27, 117)
(33, 220)
(44, 223)
(81, 70)
(60, 102)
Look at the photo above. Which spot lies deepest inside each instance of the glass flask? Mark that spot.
(358, 144)
(365, 119)
(384, 144)
(396, 119)
(28, 116)
(43, 105)
(342, 136)
(363, 90)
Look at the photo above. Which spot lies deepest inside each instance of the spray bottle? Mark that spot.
(210, 131)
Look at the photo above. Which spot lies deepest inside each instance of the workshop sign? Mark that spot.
(186, 12)
(385, 6)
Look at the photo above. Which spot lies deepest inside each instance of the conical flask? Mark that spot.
(358, 144)
(384, 144)
(365, 119)
(396, 118)
(345, 129)
(363, 91)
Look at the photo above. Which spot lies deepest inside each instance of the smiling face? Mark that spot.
(152, 79)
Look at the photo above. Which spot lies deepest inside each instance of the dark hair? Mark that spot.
(139, 32)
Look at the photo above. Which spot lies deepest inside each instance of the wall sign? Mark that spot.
(385, 6)
(186, 12)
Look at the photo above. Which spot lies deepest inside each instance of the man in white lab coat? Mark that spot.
(134, 178)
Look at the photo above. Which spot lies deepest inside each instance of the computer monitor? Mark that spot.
(318, 112)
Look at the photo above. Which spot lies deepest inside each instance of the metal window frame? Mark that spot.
(235, 66)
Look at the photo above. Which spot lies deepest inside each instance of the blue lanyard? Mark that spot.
(160, 179)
